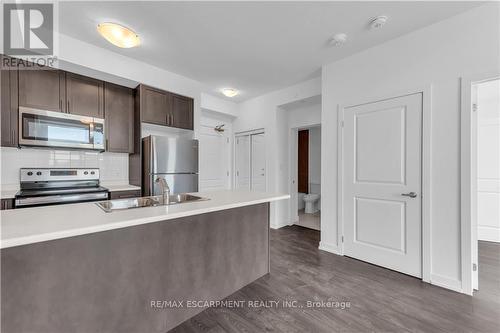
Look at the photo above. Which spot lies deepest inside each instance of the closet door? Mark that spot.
(258, 162)
(214, 159)
(242, 162)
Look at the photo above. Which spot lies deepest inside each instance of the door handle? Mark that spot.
(411, 194)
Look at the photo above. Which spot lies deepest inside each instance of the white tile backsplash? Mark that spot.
(113, 166)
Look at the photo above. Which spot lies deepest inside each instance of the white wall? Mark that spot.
(488, 160)
(264, 112)
(304, 116)
(436, 55)
(216, 104)
(113, 166)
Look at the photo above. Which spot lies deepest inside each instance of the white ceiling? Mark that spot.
(255, 47)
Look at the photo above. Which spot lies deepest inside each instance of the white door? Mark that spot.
(214, 159)
(258, 162)
(382, 183)
(242, 162)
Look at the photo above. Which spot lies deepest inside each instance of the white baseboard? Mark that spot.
(332, 248)
(446, 282)
(280, 225)
(489, 234)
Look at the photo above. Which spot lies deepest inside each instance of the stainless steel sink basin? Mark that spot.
(120, 204)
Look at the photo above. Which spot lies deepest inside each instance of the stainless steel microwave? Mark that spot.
(41, 128)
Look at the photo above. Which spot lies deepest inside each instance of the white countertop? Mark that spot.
(9, 191)
(38, 224)
(114, 187)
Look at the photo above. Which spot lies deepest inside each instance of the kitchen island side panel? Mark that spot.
(106, 281)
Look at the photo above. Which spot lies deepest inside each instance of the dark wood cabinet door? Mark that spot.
(182, 112)
(8, 107)
(84, 96)
(155, 105)
(7, 204)
(119, 110)
(303, 161)
(41, 89)
(124, 194)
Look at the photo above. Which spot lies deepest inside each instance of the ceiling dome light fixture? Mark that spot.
(230, 92)
(338, 39)
(118, 35)
(378, 22)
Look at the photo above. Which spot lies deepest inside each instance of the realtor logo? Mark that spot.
(28, 29)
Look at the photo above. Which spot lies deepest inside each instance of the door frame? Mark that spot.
(293, 169)
(426, 92)
(468, 176)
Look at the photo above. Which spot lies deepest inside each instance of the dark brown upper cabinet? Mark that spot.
(119, 109)
(84, 96)
(164, 108)
(42, 88)
(8, 106)
(182, 112)
(155, 105)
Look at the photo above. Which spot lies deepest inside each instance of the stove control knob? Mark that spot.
(85, 172)
(30, 173)
(92, 172)
(39, 173)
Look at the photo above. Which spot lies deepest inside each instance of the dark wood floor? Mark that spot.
(381, 300)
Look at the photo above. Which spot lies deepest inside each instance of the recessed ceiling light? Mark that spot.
(230, 92)
(378, 21)
(118, 35)
(338, 39)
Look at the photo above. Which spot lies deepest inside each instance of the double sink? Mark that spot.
(120, 204)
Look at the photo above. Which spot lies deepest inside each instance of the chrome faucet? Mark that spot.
(165, 189)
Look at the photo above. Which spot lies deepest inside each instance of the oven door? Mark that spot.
(56, 129)
(58, 199)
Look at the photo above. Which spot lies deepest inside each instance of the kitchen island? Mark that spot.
(76, 268)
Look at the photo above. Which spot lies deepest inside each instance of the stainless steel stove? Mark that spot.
(40, 187)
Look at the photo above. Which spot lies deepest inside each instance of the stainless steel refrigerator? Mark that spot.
(174, 159)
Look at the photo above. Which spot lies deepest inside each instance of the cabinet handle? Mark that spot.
(60, 105)
(67, 110)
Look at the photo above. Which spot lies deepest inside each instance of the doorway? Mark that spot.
(382, 183)
(250, 161)
(215, 158)
(308, 175)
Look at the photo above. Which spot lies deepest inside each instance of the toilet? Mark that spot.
(311, 201)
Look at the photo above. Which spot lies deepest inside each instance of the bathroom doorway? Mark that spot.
(308, 164)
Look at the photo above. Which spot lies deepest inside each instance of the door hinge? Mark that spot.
(474, 267)
(341, 123)
(474, 107)
(227, 140)
(342, 239)
(227, 173)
